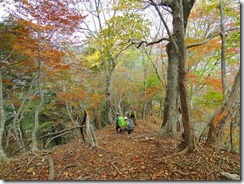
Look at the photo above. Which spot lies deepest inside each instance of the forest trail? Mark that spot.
(136, 156)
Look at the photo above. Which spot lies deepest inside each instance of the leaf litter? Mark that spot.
(141, 155)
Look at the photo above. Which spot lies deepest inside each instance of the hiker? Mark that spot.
(133, 115)
(122, 124)
(130, 125)
(117, 123)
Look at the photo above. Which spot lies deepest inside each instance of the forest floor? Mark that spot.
(142, 155)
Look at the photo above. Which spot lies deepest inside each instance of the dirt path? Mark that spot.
(138, 156)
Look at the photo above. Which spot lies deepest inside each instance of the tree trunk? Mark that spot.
(108, 107)
(231, 136)
(223, 52)
(37, 111)
(76, 132)
(2, 118)
(231, 105)
(180, 12)
(179, 29)
(170, 108)
(19, 116)
(144, 110)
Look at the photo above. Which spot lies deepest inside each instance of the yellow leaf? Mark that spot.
(30, 170)
(66, 173)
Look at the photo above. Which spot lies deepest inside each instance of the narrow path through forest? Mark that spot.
(142, 155)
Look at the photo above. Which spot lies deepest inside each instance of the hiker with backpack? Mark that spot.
(130, 125)
(122, 124)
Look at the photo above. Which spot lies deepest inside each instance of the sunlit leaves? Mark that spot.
(94, 59)
(129, 5)
(128, 26)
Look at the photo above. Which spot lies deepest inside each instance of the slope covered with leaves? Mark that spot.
(142, 155)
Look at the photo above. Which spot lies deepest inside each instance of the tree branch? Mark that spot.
(47, 135)
(210, 37)
(60, 132)
(148, 43)
(7, 56)
(155, 68)
(59, 135)
(171, 39)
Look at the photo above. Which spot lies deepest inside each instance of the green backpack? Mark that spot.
(122, 122)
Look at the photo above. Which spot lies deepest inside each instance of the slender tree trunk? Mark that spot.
(223, 52)
(19, 116)
(231, 136)
(41, 102)
(2, 120)
(76, 132)
(144, 110)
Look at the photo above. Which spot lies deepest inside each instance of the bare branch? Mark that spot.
(158, 41)
(60, 132)
(148, 43)
(47, 135)
(155, 68)
(59, 135)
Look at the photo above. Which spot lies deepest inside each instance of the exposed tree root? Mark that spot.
(116, 168)
(197, 162)
(67, 166)
(31, 161)
(35, 156)
(182, 173)
(209, 174)
(184, 151)
(51, 165)
(51, 168)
